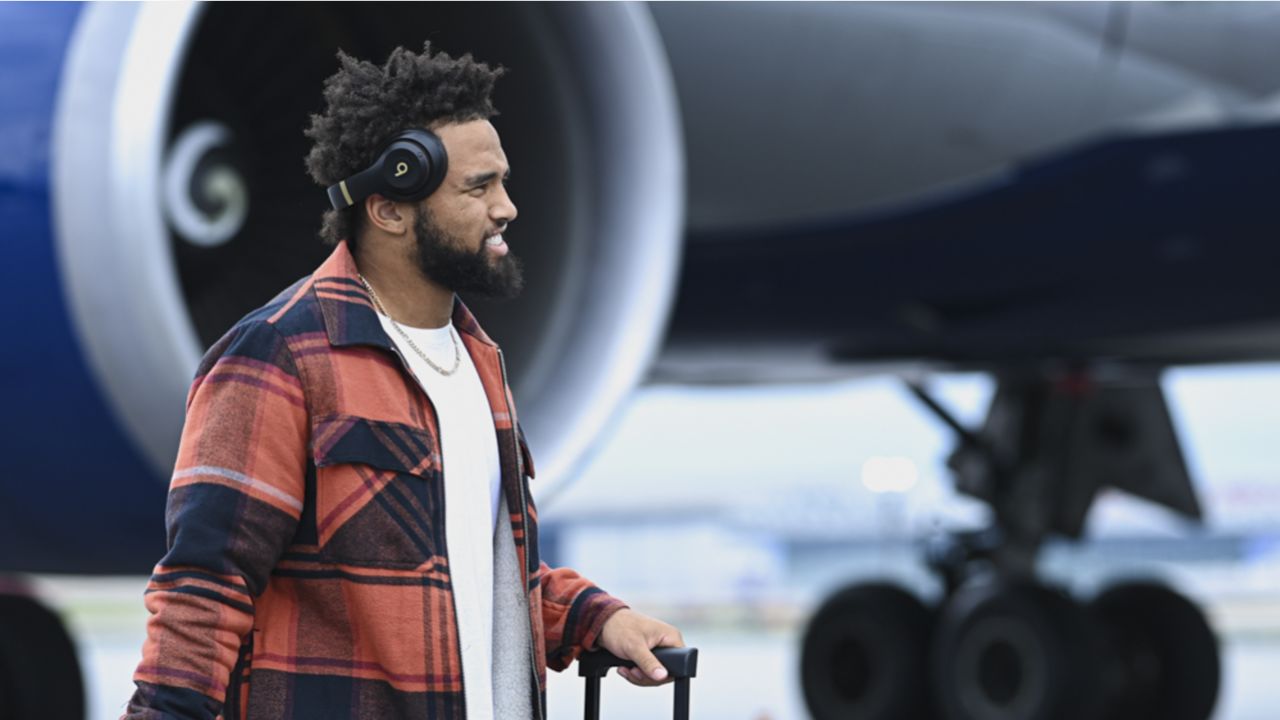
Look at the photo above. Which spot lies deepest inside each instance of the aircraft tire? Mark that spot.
(864, 656)
(39, 673)
(1016, 651)
(1162, 652)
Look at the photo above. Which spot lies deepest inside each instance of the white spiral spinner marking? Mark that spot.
(220, 183)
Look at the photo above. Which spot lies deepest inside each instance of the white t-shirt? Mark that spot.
(472, 481)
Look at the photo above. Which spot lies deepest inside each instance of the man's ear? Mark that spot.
(387, 215)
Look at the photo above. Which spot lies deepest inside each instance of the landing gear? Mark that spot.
(1015, 651)
(1161, 655)
(1004, 646)
(39, 673)
(862, 656)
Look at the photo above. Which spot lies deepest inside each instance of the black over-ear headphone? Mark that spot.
(410, 168)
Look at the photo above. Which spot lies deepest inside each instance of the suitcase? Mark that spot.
(681, 664)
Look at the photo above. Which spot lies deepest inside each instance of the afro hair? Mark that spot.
(367, 105)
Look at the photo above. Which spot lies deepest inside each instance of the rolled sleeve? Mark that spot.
(573, 613)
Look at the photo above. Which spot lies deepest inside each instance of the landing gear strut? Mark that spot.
(1001, 645)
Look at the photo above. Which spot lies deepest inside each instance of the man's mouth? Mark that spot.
(496, 244)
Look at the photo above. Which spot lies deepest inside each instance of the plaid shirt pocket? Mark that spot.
(377, 491)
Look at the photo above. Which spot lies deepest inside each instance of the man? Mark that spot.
(349, 522)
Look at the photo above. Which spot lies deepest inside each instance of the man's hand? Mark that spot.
(631, 636)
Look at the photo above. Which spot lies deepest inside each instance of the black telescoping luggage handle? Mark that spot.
(681, 664)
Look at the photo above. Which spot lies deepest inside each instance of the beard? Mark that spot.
(444, 259)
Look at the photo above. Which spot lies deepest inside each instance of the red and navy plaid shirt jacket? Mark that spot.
(306, 574)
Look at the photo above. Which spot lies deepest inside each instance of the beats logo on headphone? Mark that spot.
(410, 168)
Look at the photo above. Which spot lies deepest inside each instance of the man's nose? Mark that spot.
(505, 211)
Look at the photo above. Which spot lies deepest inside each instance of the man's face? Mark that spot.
(459, 227)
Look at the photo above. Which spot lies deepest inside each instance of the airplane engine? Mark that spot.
(170, 198)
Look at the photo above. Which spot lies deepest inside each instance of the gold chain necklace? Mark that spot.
(457, 354)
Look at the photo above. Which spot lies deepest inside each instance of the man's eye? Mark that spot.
(477, 190)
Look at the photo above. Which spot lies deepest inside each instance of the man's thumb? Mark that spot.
(649, 663)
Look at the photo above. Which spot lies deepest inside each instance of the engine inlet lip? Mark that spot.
(119, 278)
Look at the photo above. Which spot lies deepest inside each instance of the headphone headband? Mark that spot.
(409, 168)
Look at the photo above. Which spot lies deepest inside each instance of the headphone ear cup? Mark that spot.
(414, 165)
(405, 168)
(411, 168)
